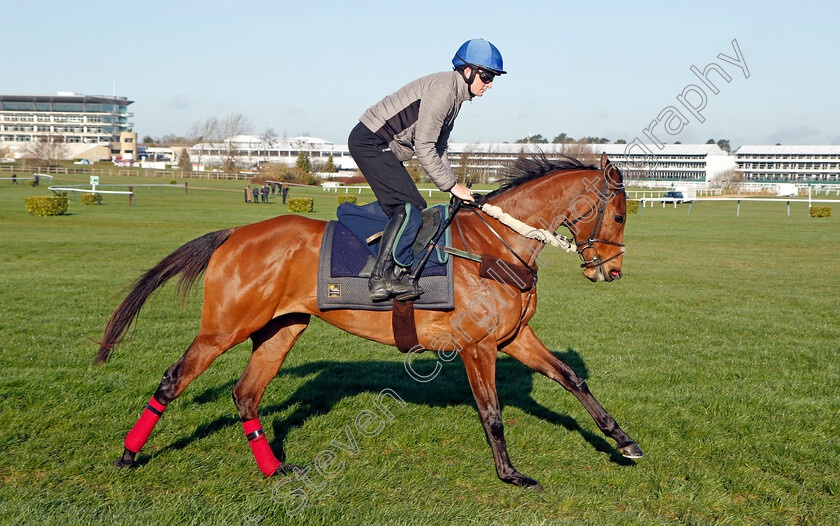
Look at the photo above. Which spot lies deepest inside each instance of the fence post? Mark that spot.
(185, 187)
(131, 196)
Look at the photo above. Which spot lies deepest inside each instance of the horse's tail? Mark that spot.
(189, 261)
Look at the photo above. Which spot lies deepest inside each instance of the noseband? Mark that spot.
(603, 199)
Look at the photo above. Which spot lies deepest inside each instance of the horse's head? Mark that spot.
(596, 219)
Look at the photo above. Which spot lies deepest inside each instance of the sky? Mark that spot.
(601, 68)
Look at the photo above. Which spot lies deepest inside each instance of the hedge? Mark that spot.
(46, 205)
(820, 211)
(632, 206)
(301, 204)
(92, 199)
(347, 199)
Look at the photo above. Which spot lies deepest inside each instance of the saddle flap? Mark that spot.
(432, 218)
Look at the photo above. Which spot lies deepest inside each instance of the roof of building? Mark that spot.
(791, 149)
(610, 149)
(67, 96)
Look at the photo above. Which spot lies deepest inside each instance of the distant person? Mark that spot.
(248, 193)
(255, 191)
(284, 192)
(36, 179)
(273, 188)
(264, 192)
(416, 120)
(14, 178)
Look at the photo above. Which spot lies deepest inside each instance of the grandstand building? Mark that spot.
(793, 164)
(89, 127)
(252, 151)
(696, 163)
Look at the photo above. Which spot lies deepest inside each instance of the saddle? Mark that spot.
(356, 234)
(346, 259)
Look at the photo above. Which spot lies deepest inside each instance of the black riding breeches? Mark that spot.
(390, 181)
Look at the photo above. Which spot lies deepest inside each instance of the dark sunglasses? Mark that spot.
(485, 76)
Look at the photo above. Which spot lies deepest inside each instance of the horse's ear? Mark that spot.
(604, 161)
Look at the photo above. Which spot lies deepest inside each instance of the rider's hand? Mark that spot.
(462, 192)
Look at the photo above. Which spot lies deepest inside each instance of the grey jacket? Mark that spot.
(418, 118)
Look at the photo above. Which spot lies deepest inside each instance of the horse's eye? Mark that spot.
(619, 219)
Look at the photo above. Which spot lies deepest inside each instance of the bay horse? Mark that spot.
(260, 280)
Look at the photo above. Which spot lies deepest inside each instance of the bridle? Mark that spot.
(603, 199)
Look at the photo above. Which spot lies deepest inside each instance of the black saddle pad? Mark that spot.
(342, 259)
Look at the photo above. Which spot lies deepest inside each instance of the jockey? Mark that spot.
(416, 120)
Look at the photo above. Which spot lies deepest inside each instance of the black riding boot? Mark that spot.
(383, 269)
(386, 278)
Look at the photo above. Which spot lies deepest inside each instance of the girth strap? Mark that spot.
(405, 331)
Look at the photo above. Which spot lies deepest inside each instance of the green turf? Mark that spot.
(717, 351)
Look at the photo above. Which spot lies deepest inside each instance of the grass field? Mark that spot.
(717, 351)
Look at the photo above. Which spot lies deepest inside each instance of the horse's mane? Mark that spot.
(529, 168)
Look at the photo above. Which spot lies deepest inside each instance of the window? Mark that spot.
(129, 139)
(68, 106)
(19, 106)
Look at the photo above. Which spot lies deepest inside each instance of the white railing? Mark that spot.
(786, 200)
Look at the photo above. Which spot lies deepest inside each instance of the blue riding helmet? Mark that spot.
(481, 53)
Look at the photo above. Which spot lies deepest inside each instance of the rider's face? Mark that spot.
(478, 87)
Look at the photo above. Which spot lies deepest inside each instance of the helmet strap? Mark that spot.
(471, 78)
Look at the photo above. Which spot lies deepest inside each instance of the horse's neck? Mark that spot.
(541, 204)
(544, 202)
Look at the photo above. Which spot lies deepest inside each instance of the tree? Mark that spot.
(235, 124)
(723, 144)
(581, 151)
(463, 171)
(330, 167)
(173, 140)
(710, 141)
(184, 162)
(594, 140)
(303, 163)
(620, 141)
(268, 140)
(533, 139)
(202, 134)
(728, 180)
(46, 150)
(560, 139)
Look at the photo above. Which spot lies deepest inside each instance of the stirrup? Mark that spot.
(402, 284)
(414, 291)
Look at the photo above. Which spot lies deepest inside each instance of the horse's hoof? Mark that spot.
(631, 450)
(121, 463)
(284, 468)
(524, 482)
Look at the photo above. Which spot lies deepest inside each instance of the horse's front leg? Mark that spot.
(529, 350)
(480, 362)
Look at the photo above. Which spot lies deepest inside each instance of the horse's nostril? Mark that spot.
(615, 273)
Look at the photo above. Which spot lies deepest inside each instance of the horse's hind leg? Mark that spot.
(199, 355)
(480, 362)
(271, 344)
(529, 350)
